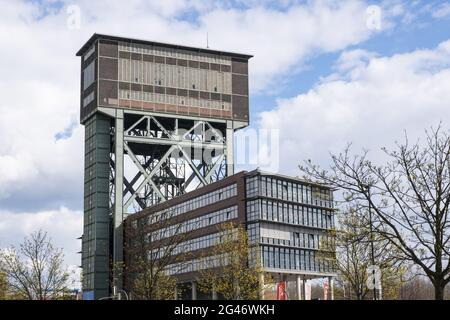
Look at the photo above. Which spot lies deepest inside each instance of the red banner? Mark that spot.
(281, 291)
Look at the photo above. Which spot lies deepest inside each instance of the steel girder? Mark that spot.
(197, 153)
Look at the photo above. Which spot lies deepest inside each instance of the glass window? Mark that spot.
(277, 257)
(88, 75)
(264, 209)
(282, 258)
(265, 257)
(311, 260)
(311, 243)
(271, 257)
(302, 260)
(88, 99)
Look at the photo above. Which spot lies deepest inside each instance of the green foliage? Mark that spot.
(3, 286)
(35, 271)
(148, 286)
(148, 260)
(232, 274)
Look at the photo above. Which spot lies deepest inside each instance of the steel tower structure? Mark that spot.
(159, 121)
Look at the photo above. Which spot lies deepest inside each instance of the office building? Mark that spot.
(287, 220)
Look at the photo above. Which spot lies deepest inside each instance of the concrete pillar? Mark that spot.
(299, 287)
(194, 290)
(303, 288)
(118, 200)
(331, 287)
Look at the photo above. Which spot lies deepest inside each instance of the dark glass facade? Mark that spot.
(286, 219)
(289, 219)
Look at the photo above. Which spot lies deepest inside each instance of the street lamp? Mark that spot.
(117, 292)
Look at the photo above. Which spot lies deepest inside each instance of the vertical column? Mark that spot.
(331, 287)
(96, 234)
(214, 293)
(304, 288)
(118, 201)
(194, 290)
(230, 146)
(299, 287)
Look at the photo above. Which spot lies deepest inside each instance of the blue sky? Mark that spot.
(424, 32)
(320, 78)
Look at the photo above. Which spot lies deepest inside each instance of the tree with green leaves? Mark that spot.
(3, 286)
(35, 270)
(232, 268)
(151, 252)
(409, 196)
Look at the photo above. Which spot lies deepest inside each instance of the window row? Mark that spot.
(207, 241)
(298, 239)
(194, 224)
(289, 213)
(174, 53)
(290, 191)
(197, 264)
(174, 76)
(175, 100)
(294, 259)
(190, 205)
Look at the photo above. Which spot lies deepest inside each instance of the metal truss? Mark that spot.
(154, 158)
(168, 159)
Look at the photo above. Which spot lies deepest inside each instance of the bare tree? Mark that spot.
(409, 196)
(35, 271)
(351, 254)
(156, 243)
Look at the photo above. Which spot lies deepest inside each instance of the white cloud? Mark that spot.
(281, 40)
(442, 11)
(40, 89)
(369, 102)
(42, 97)
(351, 62)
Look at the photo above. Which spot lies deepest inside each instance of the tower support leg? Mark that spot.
(118, 201)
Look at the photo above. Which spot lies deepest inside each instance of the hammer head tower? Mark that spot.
(159, 121)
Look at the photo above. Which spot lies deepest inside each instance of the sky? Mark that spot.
(324, 74)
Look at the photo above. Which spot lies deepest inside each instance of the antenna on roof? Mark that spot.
(207, 40)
